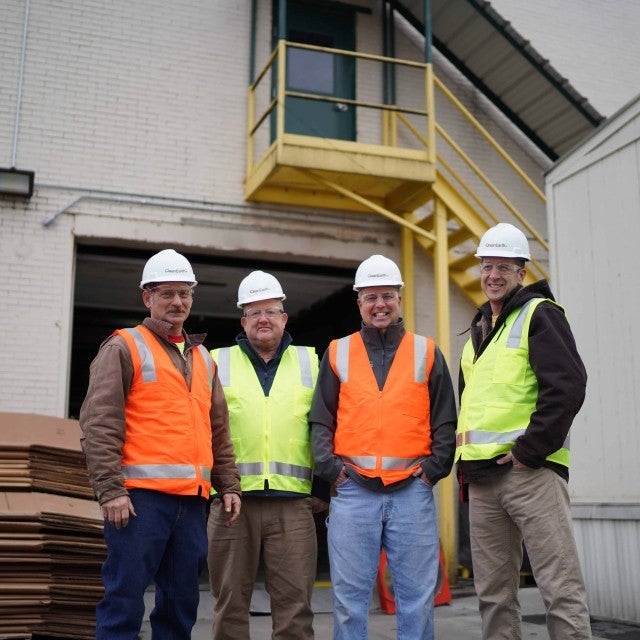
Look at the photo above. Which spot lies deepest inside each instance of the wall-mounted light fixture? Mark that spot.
(16, 183)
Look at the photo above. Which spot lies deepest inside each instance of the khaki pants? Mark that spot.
(283, 530)
(529, 504)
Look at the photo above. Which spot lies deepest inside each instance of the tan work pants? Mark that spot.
(529, 504)
(284, 531)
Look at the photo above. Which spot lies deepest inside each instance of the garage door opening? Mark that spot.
(320, 303)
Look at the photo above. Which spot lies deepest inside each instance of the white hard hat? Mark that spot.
(377, 271)
(503, 241)
(167, 266)
(259, 285)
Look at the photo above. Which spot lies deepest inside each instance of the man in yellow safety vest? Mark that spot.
(521, 384)
(268, 383)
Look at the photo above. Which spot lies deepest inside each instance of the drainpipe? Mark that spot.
(282, 19)
(252, 44)
(427, 31)
(392, 53)
(385, 52)
(20, 83)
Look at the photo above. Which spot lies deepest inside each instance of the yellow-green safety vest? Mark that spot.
(500, 392)
(270, 434)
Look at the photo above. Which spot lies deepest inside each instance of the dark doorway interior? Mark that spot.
(320, 303)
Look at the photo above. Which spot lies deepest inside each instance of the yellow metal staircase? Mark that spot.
(465, 226)
(402, 178)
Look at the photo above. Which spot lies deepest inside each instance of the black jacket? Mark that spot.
(561, 376)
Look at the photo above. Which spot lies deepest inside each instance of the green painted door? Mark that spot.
(319, 73)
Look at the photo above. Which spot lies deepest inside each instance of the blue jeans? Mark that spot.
(165, 542)
(361, 523)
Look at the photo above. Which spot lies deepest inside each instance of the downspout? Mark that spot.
(20, 83)
(280, 72)
(392, 53)
(389, 69)
(282, 19)
(386, 116)
(428, 56)
(252, 44)
(385, 52)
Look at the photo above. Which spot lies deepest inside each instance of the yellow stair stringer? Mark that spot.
(465, 228)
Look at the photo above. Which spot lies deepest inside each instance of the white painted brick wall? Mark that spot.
(37, 267)
(132, 95)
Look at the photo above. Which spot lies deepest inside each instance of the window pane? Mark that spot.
(310, 71)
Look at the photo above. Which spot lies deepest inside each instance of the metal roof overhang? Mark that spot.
(504, 66)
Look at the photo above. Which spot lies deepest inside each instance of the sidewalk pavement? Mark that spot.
(459, 620)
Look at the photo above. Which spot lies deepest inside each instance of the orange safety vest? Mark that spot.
(168, 439)
(385, 434)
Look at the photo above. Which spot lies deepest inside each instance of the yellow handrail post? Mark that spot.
(282, 73)
(385, 128)
(409, 293)
(251, 114)
(431, 114)
(393, 116)
(446, 505)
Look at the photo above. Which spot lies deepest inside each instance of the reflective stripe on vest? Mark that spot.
(148, 364)
(146, 357)
(224, 366)
(164, 471)
(419, 358)
(280, 468)
(493, 437)
(209, 363)
(387, 464)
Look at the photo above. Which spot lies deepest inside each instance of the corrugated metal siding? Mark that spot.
(610, 555)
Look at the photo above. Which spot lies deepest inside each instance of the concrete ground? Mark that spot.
(456, 621)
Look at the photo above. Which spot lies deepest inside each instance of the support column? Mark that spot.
(409, 292)
(447, 493)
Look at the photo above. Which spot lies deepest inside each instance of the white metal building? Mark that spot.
(594, 216)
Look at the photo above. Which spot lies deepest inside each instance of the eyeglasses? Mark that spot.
(270, 313)
(388, 296)
(503, 269)
(170, 294)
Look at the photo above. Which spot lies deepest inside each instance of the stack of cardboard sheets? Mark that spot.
(42, 453)
(51, 544)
